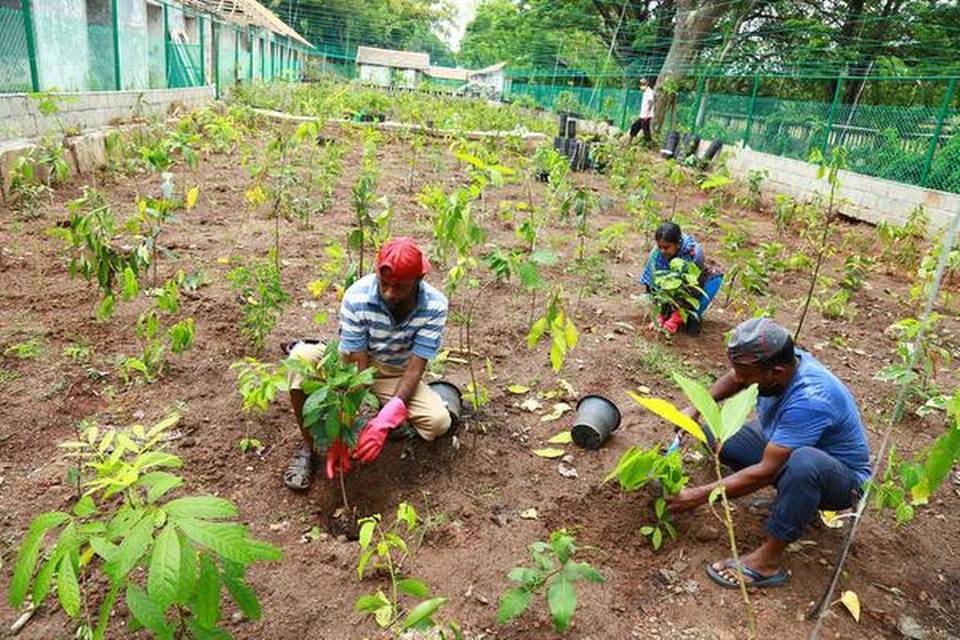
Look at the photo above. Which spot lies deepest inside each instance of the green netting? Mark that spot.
(156, 74)
(14, 60)
(100, 65)
(63, 49)
(184, 67)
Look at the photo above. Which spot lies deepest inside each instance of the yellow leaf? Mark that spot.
(558, 410)
(563, 437)
(317, 287)
(222, 260)
(852, 602)
(670, 413)
(192, 194)
(549, 452)
(830, 519)
(518, 388)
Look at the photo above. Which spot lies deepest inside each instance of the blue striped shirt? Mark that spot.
(366, 324)
(689, 251)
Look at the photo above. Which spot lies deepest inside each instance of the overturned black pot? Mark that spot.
(563, 124)
(451, 396)
(670, 145)
(712, 150)
(691, 144)
(571, 127)
(597, 417)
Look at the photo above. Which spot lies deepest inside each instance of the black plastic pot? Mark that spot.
(559, 144)
(712, 150)
(451, 396)
(571, 127)
(543, 176)
(578, 159)
(670, 145)
(597, 417)
(691, 144)
(563, 124)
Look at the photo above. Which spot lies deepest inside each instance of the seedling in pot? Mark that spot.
(554, 571)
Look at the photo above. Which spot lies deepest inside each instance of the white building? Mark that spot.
(389, 67)
(490, 81)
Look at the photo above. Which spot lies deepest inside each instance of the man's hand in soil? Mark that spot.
(371, 440)
(338, 458)
(687, 499)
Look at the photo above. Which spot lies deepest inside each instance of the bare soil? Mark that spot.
(473, 495)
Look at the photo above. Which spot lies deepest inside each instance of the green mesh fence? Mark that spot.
(184, 65)
(904, 130)
(100, 65)
(14, 60)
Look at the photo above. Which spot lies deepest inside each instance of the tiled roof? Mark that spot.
(392, 58)
(448, 73)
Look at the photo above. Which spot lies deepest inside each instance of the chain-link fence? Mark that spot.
(80, 45)
(901, 129)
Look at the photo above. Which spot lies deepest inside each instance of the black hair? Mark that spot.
(784, 355)
(669, 232)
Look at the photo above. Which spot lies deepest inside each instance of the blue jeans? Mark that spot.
(710, 290)
(810, 480)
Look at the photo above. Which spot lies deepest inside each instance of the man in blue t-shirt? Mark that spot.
(808, 440)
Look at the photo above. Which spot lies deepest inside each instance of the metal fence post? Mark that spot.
(250, 54)
(117, 82)
(166, 43)
(833, 112)
(626, 96)
(27, 10)
(236, 55)
(215, 58)
(203, 54)
(750, 109)
(928, 163)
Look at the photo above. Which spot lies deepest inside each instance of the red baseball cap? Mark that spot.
(401, 259)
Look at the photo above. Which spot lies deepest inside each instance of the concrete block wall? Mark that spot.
(20, 118)
(870, 199)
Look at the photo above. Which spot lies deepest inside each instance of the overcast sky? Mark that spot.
(465, 11)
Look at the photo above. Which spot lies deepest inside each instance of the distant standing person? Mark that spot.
(646, 113)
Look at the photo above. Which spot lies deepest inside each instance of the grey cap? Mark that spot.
(756, 341)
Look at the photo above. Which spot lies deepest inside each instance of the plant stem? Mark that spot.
(343, 489)
(728, 521)
(820, 255)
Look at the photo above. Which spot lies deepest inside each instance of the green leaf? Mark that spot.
(147, 612)
(582, 571)
(701, 400)
(670, 413)
(536, 331)
(562, 545)
(85, 507)
(513, 602)
(243, 595)
(188, 571)
(366, 533)
(940, 459)
(371, 602)
(163, 578)
(362, 563)
(29, 550)
(562, 600)
(646, 530)
(735, 412)
(227, 539)
(421, 612)
(524, 575)
(158, 483)
(198, 632)
(202, 507)
(206, 601)
(130, 285)
(129, 552)
(414, 587)
(68, 591)
(106, 608)
(407, 514)
(656, 539)
(714, 494)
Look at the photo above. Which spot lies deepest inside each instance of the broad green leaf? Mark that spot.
(129, 552)
(407, 514)
(130, 285)
(106, 608)
(414, 587)
(536, 331)
(364, 560)
(202, 507)
(29, 550)
(670, 413)
(656, 539)
(701, 400)
(562, 600)
(147, 612)
(188, 571)
(163, 578)
(198, 632)
(228, 539)
(422, 611)
(242, 594)
(366, 533)
(206, 601)
(158, 483)
(158, 459)
(513, 602)
(735, 412)
(940, 459)
(85, 507)
(524, 575)
(68, 591)
(549, 452)
(562, 545)
(371, 602)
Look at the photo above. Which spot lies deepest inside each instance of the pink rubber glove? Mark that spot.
(673, 323)
(374, 434)
(338, 457)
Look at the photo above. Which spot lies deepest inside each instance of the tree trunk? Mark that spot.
(691, 23)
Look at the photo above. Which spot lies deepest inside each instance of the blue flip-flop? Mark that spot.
(752, 578)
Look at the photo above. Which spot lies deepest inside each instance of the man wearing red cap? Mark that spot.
(394, 321)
